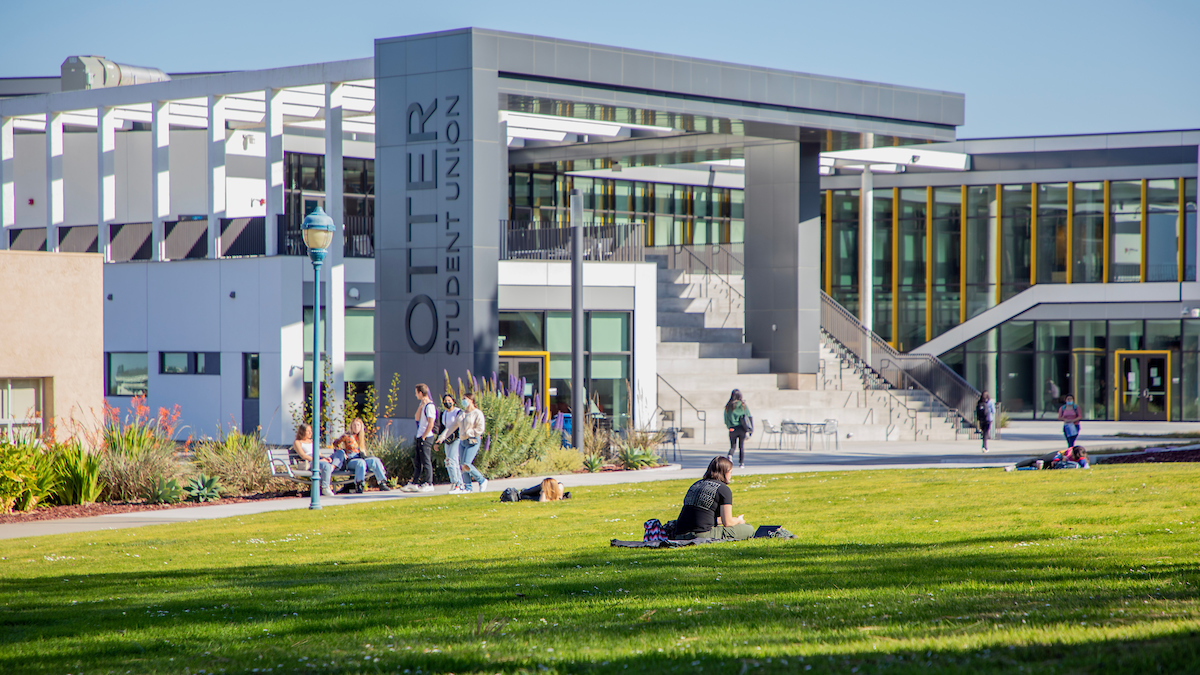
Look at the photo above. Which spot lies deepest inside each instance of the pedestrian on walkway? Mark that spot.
(451, 443)
(740, 424)
(422, 480)
(470, 426)
(1071, 418)
(985, 415)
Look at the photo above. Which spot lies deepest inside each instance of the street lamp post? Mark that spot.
(317, 229)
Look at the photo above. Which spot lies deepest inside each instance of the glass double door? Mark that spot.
(530, 368)
(1142, 385)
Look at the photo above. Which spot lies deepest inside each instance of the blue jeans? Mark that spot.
(452, 467)
(326, 470)
(469, 451)
(359, 467)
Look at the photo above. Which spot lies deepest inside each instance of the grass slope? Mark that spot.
(895, 572)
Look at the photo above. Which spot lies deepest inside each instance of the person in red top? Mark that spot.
(1070, 416)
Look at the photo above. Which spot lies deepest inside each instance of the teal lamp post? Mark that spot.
(317, 229)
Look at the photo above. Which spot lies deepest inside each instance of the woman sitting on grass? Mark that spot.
(707, 511)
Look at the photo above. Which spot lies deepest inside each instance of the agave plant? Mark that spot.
(593, 463)
(203, 488)
(164, 491)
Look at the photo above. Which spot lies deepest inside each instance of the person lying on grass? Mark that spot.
(707, 511)
(549, 490)
(1071, 458)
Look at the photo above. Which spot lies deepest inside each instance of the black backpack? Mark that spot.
(981, 412)
(510, 495)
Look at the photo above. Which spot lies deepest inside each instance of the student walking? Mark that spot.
(470, 426)
(740, 425)
(1071, 418)
(422, 480)
(985, 416)
(451, 443)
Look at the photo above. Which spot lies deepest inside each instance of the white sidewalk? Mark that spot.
(1021, 439)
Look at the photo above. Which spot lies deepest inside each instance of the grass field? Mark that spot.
(929, 571)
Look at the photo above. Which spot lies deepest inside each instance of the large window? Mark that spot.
(1052, 233)
(843, 272)
(126, 373)
(982, 221)
(189, 363)
(881, 264)
(1087, 225)
(21, 407)
(946, 265)
(910, 281)
(1016, 203)
(1125, 239)
(1162, 230)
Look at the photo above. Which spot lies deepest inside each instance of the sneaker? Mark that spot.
(741, 465)
(483, 486)
(358, 488)
(425, 488)
(326, 491)
(411, 487)
(1009, 468)
(458, 490)
(1039, 464)
(384, 487)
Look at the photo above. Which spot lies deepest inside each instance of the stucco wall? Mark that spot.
(54, 328)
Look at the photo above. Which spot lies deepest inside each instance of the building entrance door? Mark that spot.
(533, 367)
(1142, 385)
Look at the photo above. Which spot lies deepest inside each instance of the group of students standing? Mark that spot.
(458, 430)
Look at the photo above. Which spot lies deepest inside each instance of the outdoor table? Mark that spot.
(794, 428)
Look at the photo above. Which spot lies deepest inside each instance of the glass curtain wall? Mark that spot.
(1162, 230)
(1125, 237)
(1052, 217)
(981, 262)
(1087, 227)
(1189, 229)
(946, 265)
(843, 264)
(910, 269)
(881, 275)
(1016, 203)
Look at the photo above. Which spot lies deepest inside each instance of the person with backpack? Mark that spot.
(450, 442)
(740, 425)
(469, 425)
(422, 480)
(1071, 417)
(985, 415)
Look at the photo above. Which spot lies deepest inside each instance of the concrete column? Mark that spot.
(54, 179)
(216, 173)
(335, 324)
(273, 168)
(866, 249)
(783, 301)
(160, 174)
(106, 177)
(8, 189)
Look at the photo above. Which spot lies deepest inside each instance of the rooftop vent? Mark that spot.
(97, 72)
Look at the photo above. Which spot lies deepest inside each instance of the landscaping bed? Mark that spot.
(107, 508)
(1153, 455)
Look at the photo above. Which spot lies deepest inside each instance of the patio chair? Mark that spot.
(829, 428)
(671, 437)
(768, 430)
(791, 430)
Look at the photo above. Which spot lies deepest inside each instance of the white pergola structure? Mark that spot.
(336, 97)
(893, 159)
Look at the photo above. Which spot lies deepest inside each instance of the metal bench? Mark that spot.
(287, 465)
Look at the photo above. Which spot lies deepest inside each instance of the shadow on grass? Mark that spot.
(782, 599)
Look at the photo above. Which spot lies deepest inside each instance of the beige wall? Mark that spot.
(53, 327)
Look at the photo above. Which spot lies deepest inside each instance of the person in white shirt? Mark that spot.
(303, 447)
(422, 480)
(470, 426)
(450, 443)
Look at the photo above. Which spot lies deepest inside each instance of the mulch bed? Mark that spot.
(1155, 456)
(105, 508)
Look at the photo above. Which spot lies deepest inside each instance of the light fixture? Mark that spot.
(232, 294)
(110, 296)
(317, 229)
(353, 292)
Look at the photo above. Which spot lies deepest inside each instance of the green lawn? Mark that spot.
(892, 571)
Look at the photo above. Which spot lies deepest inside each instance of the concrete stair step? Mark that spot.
(700, 334)
(683, 304)
(673, 368)
(681, 319)
(704, 350)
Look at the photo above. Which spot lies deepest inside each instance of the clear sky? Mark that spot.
(1027, 67)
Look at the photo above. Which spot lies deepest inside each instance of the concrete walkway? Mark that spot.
(1021, 439)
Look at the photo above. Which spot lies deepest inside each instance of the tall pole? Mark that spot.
(317, 255)
(579, 415)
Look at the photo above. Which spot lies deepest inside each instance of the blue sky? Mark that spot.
(1027, 67)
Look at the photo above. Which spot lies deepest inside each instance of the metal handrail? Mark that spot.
(700, 414)
(610, 243)
(708, 271)
(902, 371)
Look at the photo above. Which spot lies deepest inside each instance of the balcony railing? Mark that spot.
(525, 240)
(358, 240)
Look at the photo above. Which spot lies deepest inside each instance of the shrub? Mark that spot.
(137, 450)
(557, 460)
(632, 457)
(78, 472)
(593, 463)
(26, 474)
(203, 488)
(163, 491)
(515, 437)
(239, 460)
(396, 453)
(39, 488)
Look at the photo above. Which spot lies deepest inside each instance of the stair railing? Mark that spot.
(902, 371)
(728, 288)
(700, 414)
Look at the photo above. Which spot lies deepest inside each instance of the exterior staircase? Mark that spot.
(703, 356)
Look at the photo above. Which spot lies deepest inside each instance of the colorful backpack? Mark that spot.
(654, 531)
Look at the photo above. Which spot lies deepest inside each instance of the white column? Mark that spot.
(8, 189)
(866, 252)
(106, 177)
(335, 324)
(54, 178)
(160, 174)
(273, 169)
(216, 173)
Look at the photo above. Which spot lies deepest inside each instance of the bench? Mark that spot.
(287, 465)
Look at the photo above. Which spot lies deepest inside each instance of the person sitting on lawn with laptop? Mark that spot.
(707, 511)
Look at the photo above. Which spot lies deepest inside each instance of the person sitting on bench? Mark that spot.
(707, 511)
